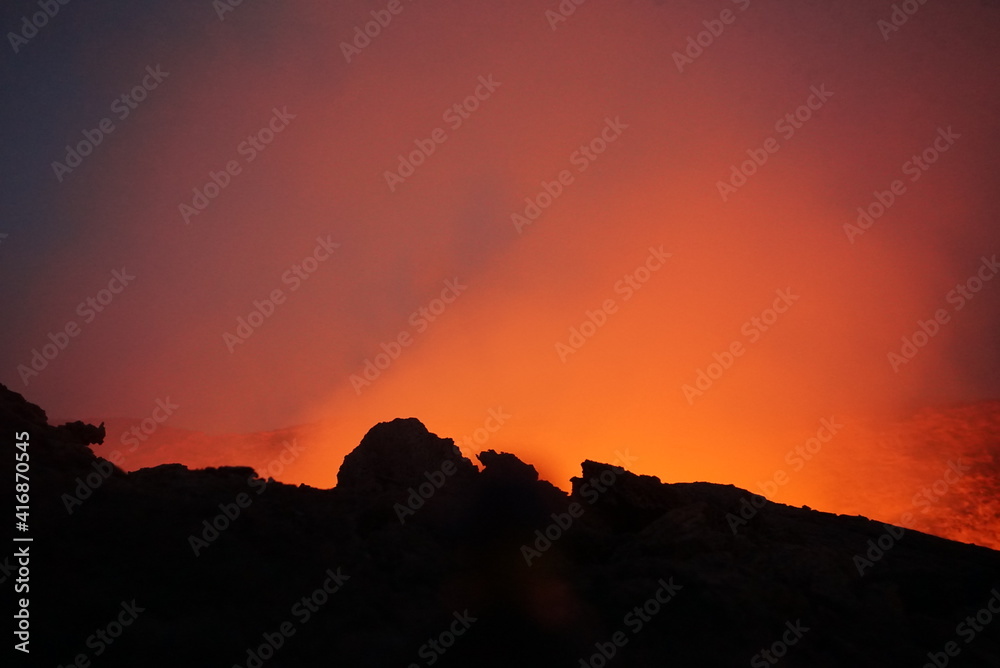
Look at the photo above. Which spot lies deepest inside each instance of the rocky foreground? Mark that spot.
(417, 558)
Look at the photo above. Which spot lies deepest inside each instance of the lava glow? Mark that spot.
(552, 237)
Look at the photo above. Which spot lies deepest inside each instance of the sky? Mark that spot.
(608, 230)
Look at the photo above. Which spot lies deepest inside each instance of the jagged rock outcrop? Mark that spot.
(493, 568)
(397, 455)
(16, 413)
(84, 433)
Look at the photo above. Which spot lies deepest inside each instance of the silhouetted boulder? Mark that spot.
(505, 466)
(87, 434)
(396, 455)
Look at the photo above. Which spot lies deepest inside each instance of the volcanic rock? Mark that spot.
(495, 568)
(396, 455)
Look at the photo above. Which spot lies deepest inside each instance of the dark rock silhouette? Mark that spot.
(87, 434)
(231, 570)
(396, 455)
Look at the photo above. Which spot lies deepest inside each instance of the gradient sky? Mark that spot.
(655, 185)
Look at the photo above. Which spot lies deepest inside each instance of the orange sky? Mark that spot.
(610, 67)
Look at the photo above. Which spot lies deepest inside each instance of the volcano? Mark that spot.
(417, 557)
(936, 470)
